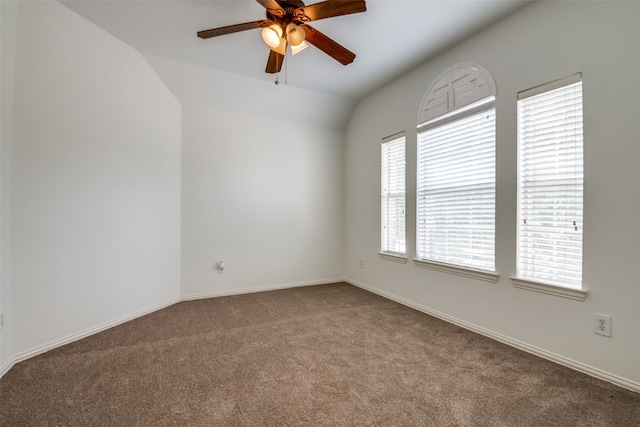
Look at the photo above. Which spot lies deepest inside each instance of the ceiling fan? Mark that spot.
(287, 23)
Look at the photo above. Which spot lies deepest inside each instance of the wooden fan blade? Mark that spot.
(270, 4)
(273, 7)
(214, 32)
(328, 9)
(274, 63)
(328, 46)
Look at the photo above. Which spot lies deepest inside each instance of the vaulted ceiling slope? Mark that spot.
(389, 39)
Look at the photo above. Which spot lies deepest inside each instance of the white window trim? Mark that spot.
(487, 276)
(394, 256)
(547, 87)
(549, 288)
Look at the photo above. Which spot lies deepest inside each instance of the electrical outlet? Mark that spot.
(361, 263)
(602, 324)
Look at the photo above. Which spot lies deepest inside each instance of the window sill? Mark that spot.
(393, 256)
(487, 276)
(547, 288)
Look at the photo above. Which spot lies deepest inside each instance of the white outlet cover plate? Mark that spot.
(602, 324)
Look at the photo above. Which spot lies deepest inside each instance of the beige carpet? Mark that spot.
(322, 355)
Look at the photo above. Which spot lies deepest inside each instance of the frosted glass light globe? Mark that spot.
(271, 36)
(295, 34)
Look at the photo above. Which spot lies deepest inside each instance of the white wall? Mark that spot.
(262, 195)
(203, 87)
(543, 42)
(96, 181)
(8, 18)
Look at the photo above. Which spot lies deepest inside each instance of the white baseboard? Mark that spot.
(87, 332)
(230, 292)
(570, 363)
(6, 366)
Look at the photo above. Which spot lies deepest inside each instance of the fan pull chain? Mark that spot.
(285, 62)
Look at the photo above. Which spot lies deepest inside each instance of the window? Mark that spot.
(456, 189)
(550, 184)
(456, 174)
(393, 194)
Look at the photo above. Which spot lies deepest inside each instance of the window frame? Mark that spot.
(537, 282)
(455, 90)
(460, 115)
(388, 177)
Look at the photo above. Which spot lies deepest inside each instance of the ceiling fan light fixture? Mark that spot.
(271, 35)
(299, 48)
(278, 34)
(295, 34)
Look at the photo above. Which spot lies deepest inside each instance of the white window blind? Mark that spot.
(550, 183)
(393, 195)
(456, 187)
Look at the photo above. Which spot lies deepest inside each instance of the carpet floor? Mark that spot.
(327, 355)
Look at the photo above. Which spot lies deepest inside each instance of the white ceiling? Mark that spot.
(389, 39)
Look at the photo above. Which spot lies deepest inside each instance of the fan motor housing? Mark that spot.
(289, 6)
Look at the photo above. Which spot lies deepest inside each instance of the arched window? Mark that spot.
(456, 173)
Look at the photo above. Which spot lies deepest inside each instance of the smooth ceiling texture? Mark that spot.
(389, 39)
